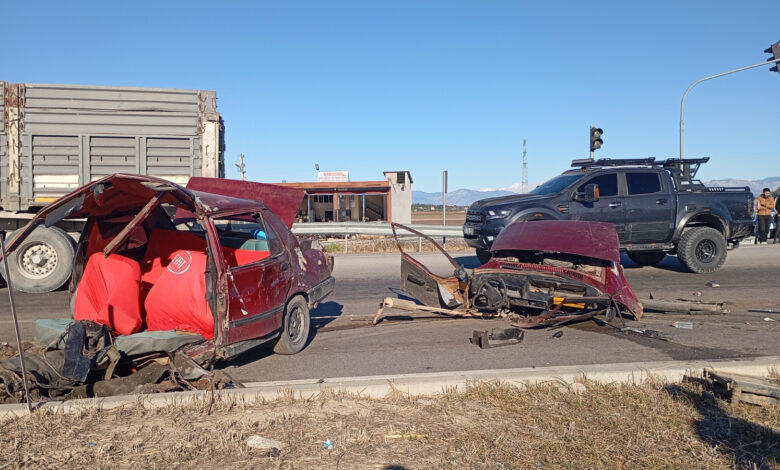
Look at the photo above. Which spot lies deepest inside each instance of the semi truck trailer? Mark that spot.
(55, 138)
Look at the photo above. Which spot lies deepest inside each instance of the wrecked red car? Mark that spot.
(541, 273)
(214, 264)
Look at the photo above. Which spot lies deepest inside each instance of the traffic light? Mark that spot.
(774, 49)
(595, 138)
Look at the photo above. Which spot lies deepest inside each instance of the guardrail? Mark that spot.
(372, 228)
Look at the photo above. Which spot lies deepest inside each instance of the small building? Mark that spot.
(355, 201)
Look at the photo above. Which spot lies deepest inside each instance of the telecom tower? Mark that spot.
(524, 185)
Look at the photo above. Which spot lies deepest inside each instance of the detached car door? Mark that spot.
(609, 207)
(258, 275)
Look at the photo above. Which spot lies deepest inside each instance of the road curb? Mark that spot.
(415, 384)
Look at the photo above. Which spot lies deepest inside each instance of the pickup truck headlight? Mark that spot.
(498, 214)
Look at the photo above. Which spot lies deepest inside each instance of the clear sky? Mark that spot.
(422, 85)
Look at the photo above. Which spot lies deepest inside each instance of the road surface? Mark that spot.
(343, 346)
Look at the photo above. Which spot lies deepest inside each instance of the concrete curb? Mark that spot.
(415, 384)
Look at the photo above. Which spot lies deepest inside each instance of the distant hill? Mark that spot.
(755, 186)
(459, 197)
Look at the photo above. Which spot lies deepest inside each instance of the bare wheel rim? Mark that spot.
(37, 260)
(706, 251)
(295, 326)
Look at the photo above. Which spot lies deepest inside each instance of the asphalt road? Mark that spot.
(342, 344)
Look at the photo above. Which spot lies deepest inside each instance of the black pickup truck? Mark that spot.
(657, 208)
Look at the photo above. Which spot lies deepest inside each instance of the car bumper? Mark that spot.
(317, 293)
(480, 236)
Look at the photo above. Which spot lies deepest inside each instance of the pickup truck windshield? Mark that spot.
(556, 184)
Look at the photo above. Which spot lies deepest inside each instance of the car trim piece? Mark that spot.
(251, 319)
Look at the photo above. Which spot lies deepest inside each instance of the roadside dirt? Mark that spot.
(489, 426)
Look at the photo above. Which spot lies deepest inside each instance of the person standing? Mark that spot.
(765, 203)
(777, 219)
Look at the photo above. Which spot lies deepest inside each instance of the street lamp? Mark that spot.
(774, 49)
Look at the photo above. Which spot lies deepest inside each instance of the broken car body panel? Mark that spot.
(250, 262)
(547, 272)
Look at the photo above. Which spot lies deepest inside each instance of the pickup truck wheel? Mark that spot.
(702, 249)
(295, 327)
(646, 258)
(43, 262)
(483, 256)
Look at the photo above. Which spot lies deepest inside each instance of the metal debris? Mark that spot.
(713, 284)
(648, 333)
(691, 307)
(497, 337)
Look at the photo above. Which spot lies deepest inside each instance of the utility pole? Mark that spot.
(444, 203)
(524, 184)
(241, 167)
(774, 49)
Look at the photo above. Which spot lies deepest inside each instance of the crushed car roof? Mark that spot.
(592, 239)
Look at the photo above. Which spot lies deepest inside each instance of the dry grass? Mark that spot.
(493, 426)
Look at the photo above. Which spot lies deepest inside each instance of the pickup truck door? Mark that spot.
(609, 207)
(650, 206)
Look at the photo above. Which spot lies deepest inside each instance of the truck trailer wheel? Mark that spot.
(483, 256)
(646, 258)
(295, 327)
(702, 249)
(43, 262)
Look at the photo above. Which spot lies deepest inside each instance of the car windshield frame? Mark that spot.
(556, 184)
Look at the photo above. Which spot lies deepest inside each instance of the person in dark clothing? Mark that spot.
(765, 203)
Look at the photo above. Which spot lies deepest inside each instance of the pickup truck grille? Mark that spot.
(474, 217)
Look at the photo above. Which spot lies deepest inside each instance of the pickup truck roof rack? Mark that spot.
(683, 171)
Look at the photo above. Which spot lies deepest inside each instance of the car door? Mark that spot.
(650, 207)
(258, 275)
(608, 208)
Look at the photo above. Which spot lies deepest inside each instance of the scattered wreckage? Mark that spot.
(166, 281)
(542, 273)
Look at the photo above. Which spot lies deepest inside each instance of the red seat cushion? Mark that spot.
(109, 293)
(177, 300)
(162, 243)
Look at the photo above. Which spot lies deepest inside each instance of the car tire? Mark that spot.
(295, 327)
(484, 256)
(43, 262)
(646, 258)
(702, 250)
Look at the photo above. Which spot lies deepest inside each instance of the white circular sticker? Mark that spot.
(180, 263)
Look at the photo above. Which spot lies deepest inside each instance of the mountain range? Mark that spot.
(465, 197)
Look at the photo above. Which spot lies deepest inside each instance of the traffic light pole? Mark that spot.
(729, 72)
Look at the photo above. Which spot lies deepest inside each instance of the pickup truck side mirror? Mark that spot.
(590, 194)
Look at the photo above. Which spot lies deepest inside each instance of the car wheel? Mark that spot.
(484, 256)
(295, 327)
(646, 258)
(43, 262)
(702, 250)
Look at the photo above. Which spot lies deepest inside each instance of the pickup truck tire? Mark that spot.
(646, 258)
(43, 262)
(702, 249)
(483, 256)
(295, 327)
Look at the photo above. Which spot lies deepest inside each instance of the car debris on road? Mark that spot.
(541, 273)
(167, 279)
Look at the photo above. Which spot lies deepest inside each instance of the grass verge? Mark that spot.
(496, 426)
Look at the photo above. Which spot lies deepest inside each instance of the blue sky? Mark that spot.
(367, 86)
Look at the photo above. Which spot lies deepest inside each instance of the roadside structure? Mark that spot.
(336, 199)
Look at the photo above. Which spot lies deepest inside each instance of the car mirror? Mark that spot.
(590, 193)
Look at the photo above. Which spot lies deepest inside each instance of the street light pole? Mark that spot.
(729, 72)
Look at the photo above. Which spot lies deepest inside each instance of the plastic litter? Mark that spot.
(686, 325)
(697, 294)
(713, 284)
(328, 444)
(769, 319)
(259, 442)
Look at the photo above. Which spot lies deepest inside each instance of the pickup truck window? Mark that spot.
(556, 185)
(643, 183)
(608, 185)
